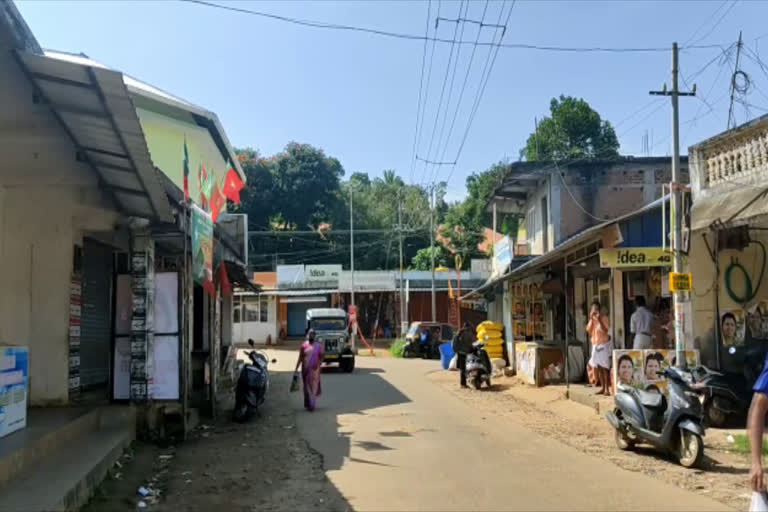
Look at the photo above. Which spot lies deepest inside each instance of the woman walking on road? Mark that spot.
(310, 360)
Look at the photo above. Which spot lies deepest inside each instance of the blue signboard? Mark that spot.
(14, 372)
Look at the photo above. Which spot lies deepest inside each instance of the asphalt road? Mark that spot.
(392, 440)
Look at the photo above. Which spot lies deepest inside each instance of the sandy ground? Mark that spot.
(399, 435)
(724, 473)
(261, 465)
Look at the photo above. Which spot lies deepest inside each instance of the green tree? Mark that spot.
(465, 221)
(573, 130)
(423, 258)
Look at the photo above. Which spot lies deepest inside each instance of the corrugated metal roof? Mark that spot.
(140, 88)
(93, 106)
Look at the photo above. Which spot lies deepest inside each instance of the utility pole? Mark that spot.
(679, 297)
(403, 320)
(731, 120)
(432, 247)
(351, 245)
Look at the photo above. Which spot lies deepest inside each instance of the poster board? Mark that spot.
(550, 367)
(643, 369)
(525, 361)
(14, 374)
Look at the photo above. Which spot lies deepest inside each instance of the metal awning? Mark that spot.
(298, 293)
(94, 108)
(728, 209)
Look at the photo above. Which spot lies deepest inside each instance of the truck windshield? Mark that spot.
(328, 324)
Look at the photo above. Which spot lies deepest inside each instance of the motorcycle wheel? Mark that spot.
(477, 382)
(691, 449)
(623, 442)
(715, 416)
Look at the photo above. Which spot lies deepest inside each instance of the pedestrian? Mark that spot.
(756, 426)
(598, 329)
(462, 345)
(641, 324)
(425, 342)
(310, 360)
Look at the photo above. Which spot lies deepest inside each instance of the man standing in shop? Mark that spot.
(462, 345)
(640, 325)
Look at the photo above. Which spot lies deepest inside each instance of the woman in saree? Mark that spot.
(311, 361)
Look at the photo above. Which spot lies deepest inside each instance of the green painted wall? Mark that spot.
(165, 139)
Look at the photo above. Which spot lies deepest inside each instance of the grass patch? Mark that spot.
(741, 445)
(397, 347)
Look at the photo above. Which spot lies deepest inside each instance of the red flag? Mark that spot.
(232, 186)
(226, 286)
(209, 288)
(217, 202)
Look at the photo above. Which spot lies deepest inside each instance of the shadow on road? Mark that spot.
(357, 393)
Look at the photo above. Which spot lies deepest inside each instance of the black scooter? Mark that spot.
(728, 394)
(252, 385)
(478, 365)
(644, 416)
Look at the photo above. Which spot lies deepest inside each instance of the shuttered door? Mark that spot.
(95, 332)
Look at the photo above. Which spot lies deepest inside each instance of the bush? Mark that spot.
(397, 347)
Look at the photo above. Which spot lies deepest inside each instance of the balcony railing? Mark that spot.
(742, 159)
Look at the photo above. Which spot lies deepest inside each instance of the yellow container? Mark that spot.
(490, 325)
(493, 333)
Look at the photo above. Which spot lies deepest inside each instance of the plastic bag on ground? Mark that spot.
(453, 365)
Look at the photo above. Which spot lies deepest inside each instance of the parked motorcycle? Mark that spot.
(478, 366)
(252, 385)
(728, 394)
(675, 427)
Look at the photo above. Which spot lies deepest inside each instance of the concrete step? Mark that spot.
(67, 478)
(47, 431)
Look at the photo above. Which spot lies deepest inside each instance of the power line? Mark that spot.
(442, 89)
(421, 87)
(426, 97)
(463, 22)
(717, 23)
(416, 37)
(483, 85)
(464, 84)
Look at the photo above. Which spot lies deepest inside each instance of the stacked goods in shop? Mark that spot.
(489, 333)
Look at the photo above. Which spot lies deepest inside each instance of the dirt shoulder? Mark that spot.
(723, 476)
(261, 465)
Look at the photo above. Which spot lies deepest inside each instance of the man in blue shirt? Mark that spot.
(756, 427)
(426, 343)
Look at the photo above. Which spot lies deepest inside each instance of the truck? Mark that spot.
(331, 329)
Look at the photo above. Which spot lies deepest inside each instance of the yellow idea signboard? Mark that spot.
(635, 257)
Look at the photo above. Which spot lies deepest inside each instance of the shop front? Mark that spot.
(727, 248)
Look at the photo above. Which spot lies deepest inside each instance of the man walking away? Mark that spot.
(640, 324)
(756, 427)
(462, 345)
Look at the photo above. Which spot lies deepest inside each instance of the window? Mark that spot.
(236, 310)
(254, 309)
(530, 227)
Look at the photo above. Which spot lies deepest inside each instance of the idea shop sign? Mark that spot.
(326, 275)
(635, 257)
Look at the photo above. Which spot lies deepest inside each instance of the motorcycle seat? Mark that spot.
(649, 399)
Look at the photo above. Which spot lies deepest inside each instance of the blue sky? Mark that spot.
(355, 95)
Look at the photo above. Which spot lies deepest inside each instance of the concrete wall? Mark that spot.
(606, 192)
(703, 314)
(258, 331)
(48, 202)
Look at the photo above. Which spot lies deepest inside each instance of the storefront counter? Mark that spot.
(539, 363)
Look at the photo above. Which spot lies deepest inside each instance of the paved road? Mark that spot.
(392, 440)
